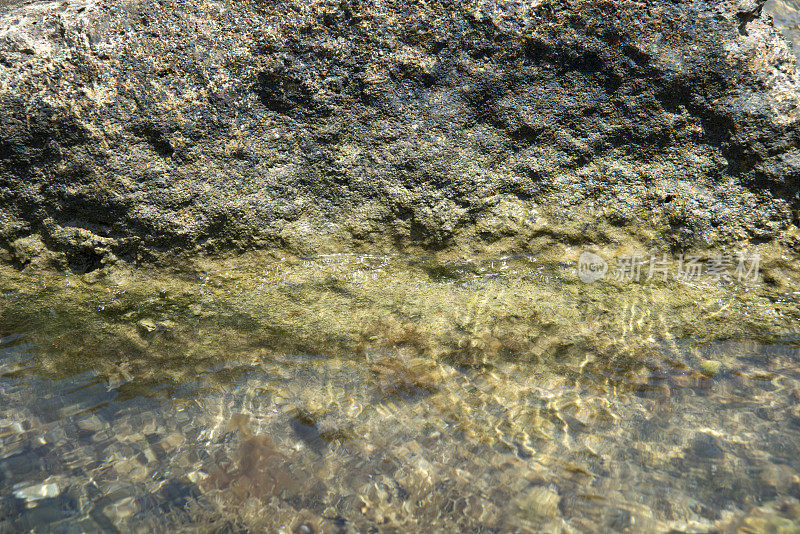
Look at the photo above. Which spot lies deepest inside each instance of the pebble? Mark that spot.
(37, 492)
(706, 446)
(710, 367)
(539, 502)
(146, 326)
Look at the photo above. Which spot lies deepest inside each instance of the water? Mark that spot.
(365, 393)
(786, 17)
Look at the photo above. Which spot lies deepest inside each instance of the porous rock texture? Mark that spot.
(134, 130)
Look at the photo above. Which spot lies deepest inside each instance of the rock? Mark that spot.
(37, 492)
(139, 130)
(710, 368)
(782, 515)
(260, 473)
(120, 510)
(538, 502)
(146, 326)
(707, 446)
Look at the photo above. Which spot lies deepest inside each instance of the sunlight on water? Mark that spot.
(354, 393)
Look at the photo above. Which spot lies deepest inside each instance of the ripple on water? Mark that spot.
(430, 399)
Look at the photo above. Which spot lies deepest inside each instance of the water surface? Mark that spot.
(364, 393)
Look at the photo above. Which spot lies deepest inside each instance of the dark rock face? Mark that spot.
(135, 129)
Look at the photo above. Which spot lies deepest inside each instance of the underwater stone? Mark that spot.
(538, 502)
(146, 326)
(710, 367)
(37, 492)
(706, 446)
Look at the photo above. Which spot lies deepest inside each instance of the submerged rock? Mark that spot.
(38, 492)
(137, 129)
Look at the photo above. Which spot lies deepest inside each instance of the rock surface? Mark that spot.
(132, 130)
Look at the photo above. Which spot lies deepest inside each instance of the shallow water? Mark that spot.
(786, 17)
(364, 393)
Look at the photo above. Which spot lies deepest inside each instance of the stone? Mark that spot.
(146, 326)
(705, 445)
(150, 131)
(710, 368)
(538, 502)
(37, 492)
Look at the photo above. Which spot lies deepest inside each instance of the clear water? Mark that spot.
(357, 394)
